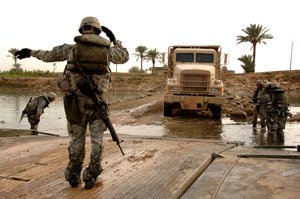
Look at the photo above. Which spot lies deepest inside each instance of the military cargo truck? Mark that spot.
(194, 79)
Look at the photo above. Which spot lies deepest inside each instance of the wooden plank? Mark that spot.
(151, 168)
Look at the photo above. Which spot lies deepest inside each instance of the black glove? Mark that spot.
(24, 53)
(108, 33)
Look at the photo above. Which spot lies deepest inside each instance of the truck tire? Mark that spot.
(216, 111)
(168, 108)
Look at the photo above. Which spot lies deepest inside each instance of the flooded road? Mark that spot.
(230, 131)
(53, 121)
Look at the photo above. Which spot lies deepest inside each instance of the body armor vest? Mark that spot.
(90, 54)
(31, 108)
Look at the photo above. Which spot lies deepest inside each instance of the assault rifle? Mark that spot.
(101, 110)
(24, 111)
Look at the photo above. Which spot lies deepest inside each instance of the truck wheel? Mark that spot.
(168, 108)
(216, 112)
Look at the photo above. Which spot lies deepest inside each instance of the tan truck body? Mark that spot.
(194, 80)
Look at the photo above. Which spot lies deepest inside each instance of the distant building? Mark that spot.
(158, 70)
(225, 70)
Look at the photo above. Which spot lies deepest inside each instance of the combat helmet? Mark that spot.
(90, 21)
(51, 96)
(259, 82)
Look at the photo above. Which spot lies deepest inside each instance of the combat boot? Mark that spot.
(72, 177)
(90, 176)
(74, 181)
(34, 130)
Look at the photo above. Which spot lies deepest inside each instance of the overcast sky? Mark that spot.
(37, 24)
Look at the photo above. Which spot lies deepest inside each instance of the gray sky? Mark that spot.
(37, 24)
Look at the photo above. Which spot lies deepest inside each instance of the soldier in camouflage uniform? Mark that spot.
(35, 108)
(89, 57)
(274, 107)
(256, 111)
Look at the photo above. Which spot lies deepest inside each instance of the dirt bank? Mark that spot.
(120, 82)
(237, 84)
(239, 89)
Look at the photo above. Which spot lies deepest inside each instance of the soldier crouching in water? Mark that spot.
(88, 58)
(274, 107)
(35, 108)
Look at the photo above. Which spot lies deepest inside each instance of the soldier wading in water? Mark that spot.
(88, 58)
(256, 111)
(274, 108)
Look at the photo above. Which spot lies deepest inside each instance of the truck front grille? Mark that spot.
(195, 83)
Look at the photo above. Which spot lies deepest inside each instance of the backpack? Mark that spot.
(31, 106)
(278, 98)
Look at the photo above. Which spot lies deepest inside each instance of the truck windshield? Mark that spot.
(184, 57)
(205, 57)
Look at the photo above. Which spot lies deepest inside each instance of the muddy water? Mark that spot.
(230, 131)
(53, 121)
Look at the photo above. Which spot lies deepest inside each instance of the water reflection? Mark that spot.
(229, 131)
(53, 121)
(187, 127)
(262, 137)
(257, 136)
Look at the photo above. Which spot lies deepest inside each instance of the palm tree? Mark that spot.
(153, 55)
(12, 51)
(255, 34)
(247, 63)
(140, 53)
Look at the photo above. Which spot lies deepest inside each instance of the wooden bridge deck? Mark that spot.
(32, 167)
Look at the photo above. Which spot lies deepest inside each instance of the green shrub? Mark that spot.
(21, 73)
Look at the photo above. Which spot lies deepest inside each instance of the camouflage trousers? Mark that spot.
(276, 122)
(76, 149)
(257, 114)
(33, 121)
